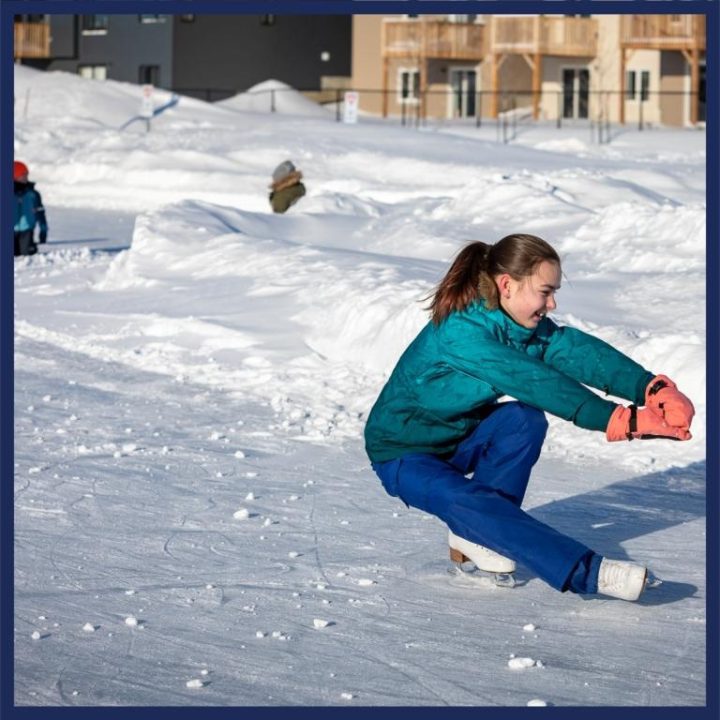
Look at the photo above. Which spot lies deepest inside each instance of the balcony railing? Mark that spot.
(432, 39)
(663, 32)
(32, 40)
(566, 36)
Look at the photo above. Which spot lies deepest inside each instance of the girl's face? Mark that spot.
(528, 300)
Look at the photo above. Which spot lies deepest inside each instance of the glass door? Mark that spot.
(464, 93)
(576, 92)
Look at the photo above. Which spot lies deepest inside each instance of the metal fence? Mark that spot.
(596, 108)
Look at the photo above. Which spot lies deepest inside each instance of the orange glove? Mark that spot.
(628, 423)
(665, 399)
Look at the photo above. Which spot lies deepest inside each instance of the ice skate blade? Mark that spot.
(472, 573)
(652, 581)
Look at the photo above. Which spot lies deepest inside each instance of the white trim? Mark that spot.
(410, 100)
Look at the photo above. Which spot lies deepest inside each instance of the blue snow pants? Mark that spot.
(484, 508)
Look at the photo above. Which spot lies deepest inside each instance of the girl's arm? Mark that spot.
(594, 362)
(479, 355)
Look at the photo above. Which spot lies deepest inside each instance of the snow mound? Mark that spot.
(274, 96)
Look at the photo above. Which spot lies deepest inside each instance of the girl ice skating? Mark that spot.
(438, 419)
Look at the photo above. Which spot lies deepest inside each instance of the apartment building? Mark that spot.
(207, 56)
(617, 68)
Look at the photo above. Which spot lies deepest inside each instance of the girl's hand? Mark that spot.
(630, 423)
(665, 399)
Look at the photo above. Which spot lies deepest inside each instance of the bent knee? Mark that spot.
(527, 417)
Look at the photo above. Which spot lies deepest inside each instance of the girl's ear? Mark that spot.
(503, 284)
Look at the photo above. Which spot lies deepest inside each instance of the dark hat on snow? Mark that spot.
(282, 171)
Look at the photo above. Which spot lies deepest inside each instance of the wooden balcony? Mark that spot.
(32, 40)
(559, 36)
(429, 38)
(663, 32)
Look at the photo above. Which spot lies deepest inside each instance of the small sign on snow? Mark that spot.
(351, 100)
(147, 106)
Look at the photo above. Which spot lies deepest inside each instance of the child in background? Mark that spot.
(286, 188)
(438, 419)
(29, 212)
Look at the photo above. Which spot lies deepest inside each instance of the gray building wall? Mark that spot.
(127, 44)
(208, 56)
(230, 53)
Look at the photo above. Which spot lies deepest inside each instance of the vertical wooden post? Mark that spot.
(537, 31)
(384, 50)
(695, 85)
(422, 67)
(495, 67)
(537, 78)
(385, 87)
(622, 86)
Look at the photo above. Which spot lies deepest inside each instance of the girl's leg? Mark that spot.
(503, 449)
(485, 509)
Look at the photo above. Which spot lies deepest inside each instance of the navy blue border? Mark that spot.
(8, 8)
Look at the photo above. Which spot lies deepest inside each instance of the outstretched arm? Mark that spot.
(594, 362)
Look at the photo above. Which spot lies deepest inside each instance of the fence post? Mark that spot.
(272, 101)
(559, 110)
(640, 111)
(337, 105)
(478, 110)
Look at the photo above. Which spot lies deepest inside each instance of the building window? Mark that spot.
(147, 19)
(644, 85)
(149, 75)
(93, 72)
(630, 85)
(267, 20)
(94, 24)
(409, 86)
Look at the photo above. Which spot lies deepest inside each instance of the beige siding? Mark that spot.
(674, 81)
(669, 72)
(367, 60)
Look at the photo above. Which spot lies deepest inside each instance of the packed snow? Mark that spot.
(196, 522)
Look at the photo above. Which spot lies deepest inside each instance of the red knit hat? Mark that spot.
(20, 169)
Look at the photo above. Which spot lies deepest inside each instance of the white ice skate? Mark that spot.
(499, 567)
(624, 580)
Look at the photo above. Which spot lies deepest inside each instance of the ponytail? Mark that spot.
(472, 275)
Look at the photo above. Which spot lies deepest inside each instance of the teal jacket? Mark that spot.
(437, 391)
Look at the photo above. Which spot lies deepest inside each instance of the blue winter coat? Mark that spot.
(29, 210)
(435, 395)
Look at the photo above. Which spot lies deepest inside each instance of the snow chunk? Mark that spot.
(241, 514)
(529, 627)
(131, 621)
(536, 702)
(520, 663)
(89, 627)
(195, 683)
(319, 624)
(35, 635)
